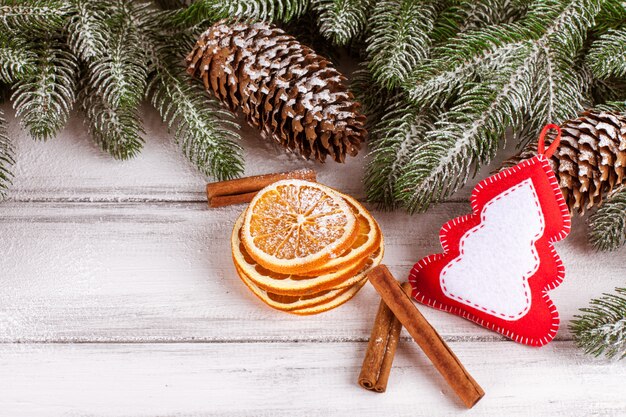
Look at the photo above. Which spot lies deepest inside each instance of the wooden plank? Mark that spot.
(312, 379)
(163, 272)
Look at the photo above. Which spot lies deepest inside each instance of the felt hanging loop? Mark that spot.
(541, 145)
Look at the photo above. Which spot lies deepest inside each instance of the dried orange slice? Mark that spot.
(290, 302)
(315, 303)
(334, 303)
(292, 284)
(367, 241)
(293, 226)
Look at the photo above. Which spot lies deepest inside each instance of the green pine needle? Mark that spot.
(117, 130)
(17, 59)
(31, 16)
(203, 130)
(602, 329)
(6, 157)
(206, 132)
(120, 73)
(395, 138)
(607, 56)
(608, 223)
(461, 15)
(399, 39)
(494, 78)
(374, 98)
(86, 29)
(43, 99)
(454, 63)
(342, 20)
(204, 12)
(612, 15)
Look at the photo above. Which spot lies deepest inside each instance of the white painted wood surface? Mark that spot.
(118, 298)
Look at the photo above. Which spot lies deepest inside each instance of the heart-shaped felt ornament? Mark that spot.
(498, 263)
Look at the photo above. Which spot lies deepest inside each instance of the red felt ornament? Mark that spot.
(498, 263)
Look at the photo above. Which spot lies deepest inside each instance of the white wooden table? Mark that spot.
(118, 298)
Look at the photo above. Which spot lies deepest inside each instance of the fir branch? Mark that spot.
(117, 130)
(612, 15)
(607, 55)
(208, 11)
(608, 223)
(602, 330)
(393, 141)
(86, 29)
(341, 20)
(531, 80)
(374, 98)
(44, 99)
(399, 38)
(464, 137)
(265, 10)
(441, 77)
(6, 157)
(205, 131)
(462, 15)
(119, 75)
(33, 15)
(17, 59)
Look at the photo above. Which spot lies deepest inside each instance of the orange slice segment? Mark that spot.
(367, 241)
(294, 226)
(333, 303)
(290, 302)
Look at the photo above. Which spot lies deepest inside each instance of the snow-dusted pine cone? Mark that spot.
(590, 160)
(283, 88)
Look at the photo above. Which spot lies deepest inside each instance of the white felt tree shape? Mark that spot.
(499, 255)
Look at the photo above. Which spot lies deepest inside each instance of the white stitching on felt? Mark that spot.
(481, 226)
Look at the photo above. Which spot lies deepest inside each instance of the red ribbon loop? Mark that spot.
(541, 144)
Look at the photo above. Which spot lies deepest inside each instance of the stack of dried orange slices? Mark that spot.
(305, 248)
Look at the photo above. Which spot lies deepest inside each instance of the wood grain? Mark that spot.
(286, 379)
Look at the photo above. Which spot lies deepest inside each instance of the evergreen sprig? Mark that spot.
(86, 29)
(400, 131)
(398, 39)
(116, 129)
(342, 20)
(608, 223)
(43, 99)
(6, 157)
(602, 329)
(606, 57)
(493, 79)
(33, 16)
(206, 132)
(120, 74)
(17, 59)
(205, 11)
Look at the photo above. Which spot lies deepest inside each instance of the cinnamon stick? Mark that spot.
(426, 337)
(380, 350)
(243, 190)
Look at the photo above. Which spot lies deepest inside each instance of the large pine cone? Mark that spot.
(283, 88)
(590, 160)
